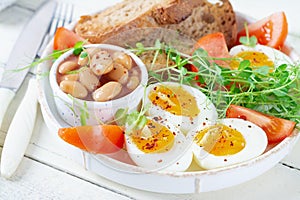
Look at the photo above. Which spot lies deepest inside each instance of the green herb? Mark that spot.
(247, 40)
(274, 92)
(135, 120)
(84, 114)
(77, 71)
(132, 121)
(52, 56)
(78, 48)
(83, 54)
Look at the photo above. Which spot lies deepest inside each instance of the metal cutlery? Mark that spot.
(24, 52)
(62, 17)
(21, 127)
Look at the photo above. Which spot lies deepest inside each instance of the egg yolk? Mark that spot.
(175, 100)
(220, 140)
(257, 59)
(154, 138)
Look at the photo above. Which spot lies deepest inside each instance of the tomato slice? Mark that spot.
(215, 45)
(102, 139)
(271, 31)
(64, 39)
(276, 128)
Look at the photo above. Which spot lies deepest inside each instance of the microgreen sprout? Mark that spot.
(135, 120)
(77, 71)
(84, 113)
(132, 121)
(275, 92)
(78, 48)
(247, 40)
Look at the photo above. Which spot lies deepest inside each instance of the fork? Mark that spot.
(62, 17)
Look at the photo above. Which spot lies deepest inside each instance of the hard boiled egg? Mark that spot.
(183, 106)
(259, 56)
(228, 142)
(159, 146)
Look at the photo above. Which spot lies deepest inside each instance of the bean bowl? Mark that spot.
(98, 82)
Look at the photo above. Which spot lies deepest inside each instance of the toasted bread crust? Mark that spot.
(194, 18)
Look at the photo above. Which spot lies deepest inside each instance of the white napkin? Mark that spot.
(1, 72)
(5, 3)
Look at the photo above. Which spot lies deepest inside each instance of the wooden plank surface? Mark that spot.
(35, 180)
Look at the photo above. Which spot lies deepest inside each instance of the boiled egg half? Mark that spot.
(230, 141)
(183, 106)
(259, 56)
(159, 146)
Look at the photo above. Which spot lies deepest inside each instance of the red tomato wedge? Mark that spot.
(100, 139)
(276, 128)
(64, 39)
(215, 45)
(271, 31)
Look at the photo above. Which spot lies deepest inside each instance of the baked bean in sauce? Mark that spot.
(101, 75)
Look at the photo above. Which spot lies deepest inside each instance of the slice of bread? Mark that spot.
(194, 18)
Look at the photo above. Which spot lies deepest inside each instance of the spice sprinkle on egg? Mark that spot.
(230, 141)
(183, 106)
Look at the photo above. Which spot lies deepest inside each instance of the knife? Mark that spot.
(21, 127)
(24, 52)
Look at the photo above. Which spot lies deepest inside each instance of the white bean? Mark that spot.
(119, 73)
(83, 60)
(67, 66)
(123, 59)
(92, 51)
(73, 88)
(88, 79)
(107, 92)
(134, 72)
(70, 77)
(101, 63)
(133, 82)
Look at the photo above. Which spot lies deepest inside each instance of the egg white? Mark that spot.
(275, 55)
(255, 138)
(207, 115)
(178, 158)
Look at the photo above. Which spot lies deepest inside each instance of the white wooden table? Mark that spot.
(48, 170)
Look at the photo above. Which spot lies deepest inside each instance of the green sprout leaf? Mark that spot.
(141, 122)
(78, 48)
(120, 116)
(243, 65)
(247, 40)
(264, 70)
(83, 54)
(84, 114)
(262, 88)
(132, 121)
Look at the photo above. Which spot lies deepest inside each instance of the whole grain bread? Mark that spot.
(194, 18)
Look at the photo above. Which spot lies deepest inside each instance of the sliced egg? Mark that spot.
(183, 106)
(259, 56)
(159, 146)
(230, 141)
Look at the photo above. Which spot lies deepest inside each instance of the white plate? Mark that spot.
(162, 181)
